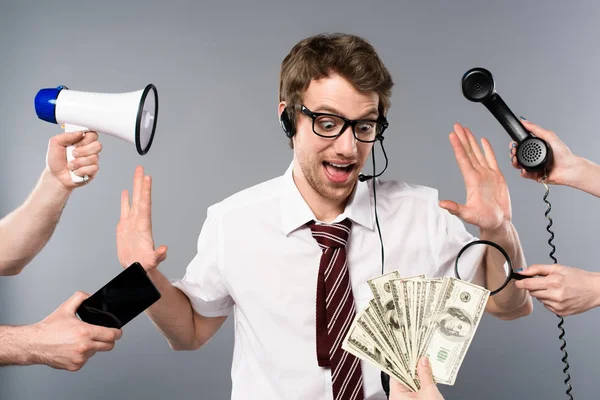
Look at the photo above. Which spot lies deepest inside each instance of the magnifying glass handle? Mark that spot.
(519, 277)
(385, 383)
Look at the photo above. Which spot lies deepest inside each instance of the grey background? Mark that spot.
(216, 67)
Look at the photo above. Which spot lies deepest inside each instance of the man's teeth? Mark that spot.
(340, 165)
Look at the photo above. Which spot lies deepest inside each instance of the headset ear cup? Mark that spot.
(286, 124)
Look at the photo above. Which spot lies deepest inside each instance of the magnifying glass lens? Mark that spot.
(470, 263)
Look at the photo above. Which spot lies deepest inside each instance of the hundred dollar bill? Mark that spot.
(405, 309)
(417, 288)
(459, 311)
(381, 291)
(384, 306)
(358, 343)
(387, 312)
(371, 316)
(431, 299)
(374, 331)
(400, 331)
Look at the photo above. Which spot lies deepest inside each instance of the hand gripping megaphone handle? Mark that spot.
(74, 128)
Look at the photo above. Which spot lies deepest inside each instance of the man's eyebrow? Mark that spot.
(331, 110)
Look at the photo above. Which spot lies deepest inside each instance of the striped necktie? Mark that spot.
(336, 310)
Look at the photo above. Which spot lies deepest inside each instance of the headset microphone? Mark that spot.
(363, 177)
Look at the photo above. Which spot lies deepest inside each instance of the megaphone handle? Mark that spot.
(74, 128)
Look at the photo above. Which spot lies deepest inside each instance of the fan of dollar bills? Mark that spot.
(413, 317)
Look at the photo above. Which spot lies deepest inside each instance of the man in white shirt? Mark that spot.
(263, 253)
(60, 340)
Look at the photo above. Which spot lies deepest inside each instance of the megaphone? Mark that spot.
(129, 116)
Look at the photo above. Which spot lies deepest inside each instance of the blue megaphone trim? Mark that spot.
(45, 103)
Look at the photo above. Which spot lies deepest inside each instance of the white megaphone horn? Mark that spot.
(129, 116)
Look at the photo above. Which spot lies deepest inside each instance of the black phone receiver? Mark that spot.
(533, 153)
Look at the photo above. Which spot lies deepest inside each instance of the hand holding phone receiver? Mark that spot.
(122, 299)
(533, 153)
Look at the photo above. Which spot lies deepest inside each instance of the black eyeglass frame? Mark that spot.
(380, 121)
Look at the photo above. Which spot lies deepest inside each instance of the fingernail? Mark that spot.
(70, 166)
(425, 361)
(74, 153)
(512, 159)
(523, 118)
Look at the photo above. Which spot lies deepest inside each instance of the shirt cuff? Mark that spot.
(219, 308)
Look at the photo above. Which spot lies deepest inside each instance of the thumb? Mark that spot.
(425, 373)
(539, 269)
(160, 254)
(452, 206)
(538, 130)
(72, 304)
(68, 138)
(459, 210)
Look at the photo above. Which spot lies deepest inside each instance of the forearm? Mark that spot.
(15, 346)
(174, 317)
(25, 231)
(510, 302)
(586, 177)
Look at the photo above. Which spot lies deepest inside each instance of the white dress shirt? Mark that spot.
(257, 257)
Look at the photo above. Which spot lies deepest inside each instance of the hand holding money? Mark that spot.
(428, 391)
(409, 318)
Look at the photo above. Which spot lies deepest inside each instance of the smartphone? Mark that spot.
(120, 300)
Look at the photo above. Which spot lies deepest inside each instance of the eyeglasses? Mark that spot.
(331, 126)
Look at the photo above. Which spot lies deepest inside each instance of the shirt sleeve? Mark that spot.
(203, 282)
(448, 237)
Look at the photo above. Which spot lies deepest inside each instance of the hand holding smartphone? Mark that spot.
(120, 300)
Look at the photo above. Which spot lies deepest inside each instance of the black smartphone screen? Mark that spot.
(120, 300)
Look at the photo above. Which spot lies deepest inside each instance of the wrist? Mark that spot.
(23, 339)
(153, 273)
(501, 231)
(53, 183)
(577, 172)
(34, 353)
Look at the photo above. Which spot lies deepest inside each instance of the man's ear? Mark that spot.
(280, 108)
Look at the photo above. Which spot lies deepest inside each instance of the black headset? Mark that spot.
(286, 124)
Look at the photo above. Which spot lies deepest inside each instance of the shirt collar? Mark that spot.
(295, 212)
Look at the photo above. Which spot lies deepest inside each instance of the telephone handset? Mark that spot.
(533, 153)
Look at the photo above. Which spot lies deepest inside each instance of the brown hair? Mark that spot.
(318, 56)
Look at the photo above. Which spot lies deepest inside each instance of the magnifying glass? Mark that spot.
(510, 274)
